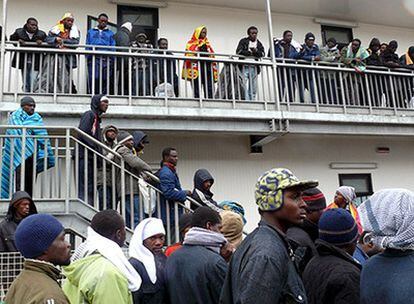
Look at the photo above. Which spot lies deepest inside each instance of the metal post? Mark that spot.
(3, 49)
(67, 165)
(272, 53)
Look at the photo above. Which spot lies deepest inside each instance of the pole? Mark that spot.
(3, 49)
(272, 53)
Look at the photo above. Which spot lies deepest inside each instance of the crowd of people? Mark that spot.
(303, 251)
(146, 76)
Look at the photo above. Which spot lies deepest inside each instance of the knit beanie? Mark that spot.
(232, 227)
(314, 199)
(27, 100)
(36, 233)
(338, 227)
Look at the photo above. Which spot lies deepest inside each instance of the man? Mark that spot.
(100, 273)
(373, 51)
(196, 272)
(63, 35)
(122, 39)
(354, 55)
(141, 78)
(164, 68)
(90, 123)
(109, 135)
(40, 238)
(305, 235)
(330, 53)
(390, 57)
(251, 47)
(101, 35)
(184, 225)
(146, 256)
(29, 62)
(13, 148)
(129, 147)
(21, 206)
(203, 181)
(262, 269)
(333, 276)
(407, 60)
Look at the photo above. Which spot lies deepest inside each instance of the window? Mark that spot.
(343, 35)
(143, 19)
(362, 184)
(93, 22)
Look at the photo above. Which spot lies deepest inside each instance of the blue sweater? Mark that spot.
(104, 37)
(309, 54)
(388, 278)
(170, 185)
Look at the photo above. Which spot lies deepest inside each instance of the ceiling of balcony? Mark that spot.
(398, 13)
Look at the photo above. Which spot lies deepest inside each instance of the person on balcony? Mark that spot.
(196, 272)
(130, 147)
(200, 73)
(250, 47)
(101, 35)
(109, 135)
(262, 269)
(203, 181)
(390, 57)
(330, 53)
(142, 74)
(13, 147)
(64, 35)
(373, 51)
(164, 67)
(354, 55)
(40, 238)
(309, 52)
(146, 256)
(29, 62)
(100, 273)
(90, 123)
(123, 40)
(407, 60)
(383, 47)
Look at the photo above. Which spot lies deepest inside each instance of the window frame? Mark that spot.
(348, 30)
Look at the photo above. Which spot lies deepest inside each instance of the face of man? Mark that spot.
(214, 227)
(22, 208)
(59, 252)
(129, 143)
(68, 23)
(375, 48)
(102, 22)
(383, 48)
(29, 108)
(207, 185)
(203, 33)
(330, 44)
(293, 211)
(253, 34)
(310, 42)
(314, 216)
(173, 158)
(155, 243)
(31, 26)
(120, 236)
(340, 200)
(355, 46)
(103, 106)
(163, 45)
(111, 135)
(141, 39)
(288, 37)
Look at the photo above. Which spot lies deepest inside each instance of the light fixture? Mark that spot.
(344, 165)
(143, 3)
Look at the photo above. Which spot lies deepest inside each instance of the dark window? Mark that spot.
(93, 22)
(362, 184)
(143, 19)
(343, 35)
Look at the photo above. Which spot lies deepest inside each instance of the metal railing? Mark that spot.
(152, 74)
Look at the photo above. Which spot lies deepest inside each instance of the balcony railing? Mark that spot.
(156, 77)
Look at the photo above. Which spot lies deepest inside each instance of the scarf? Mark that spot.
(348, 193)
(361, 53)
(202, 237)
(389, 216)
(171, 166)
(59, 28)
(206, 202)
(146, 228)
(112, 252)
(191, 68)
(408, 59)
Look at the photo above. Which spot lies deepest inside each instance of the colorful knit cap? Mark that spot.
(338, 227)
(270, 186)
(235, 207)
(314, 199)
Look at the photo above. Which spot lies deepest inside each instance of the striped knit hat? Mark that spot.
(314, 199)
(338, 227)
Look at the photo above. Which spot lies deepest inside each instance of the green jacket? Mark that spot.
(94, 279)
(37, 284)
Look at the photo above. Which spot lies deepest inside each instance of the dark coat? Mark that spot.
(373, 59)
(200, 177)
(21, 34)
(170, 185)
(262, 271)
(332, 277)
(387, 278)
(150, 293)
(308, 53)
(280, 50)
(122, 38)
(390, 59)
(243, 49)
(195, 275)
(8, 226)
(70, 43)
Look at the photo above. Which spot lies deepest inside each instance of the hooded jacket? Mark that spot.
(199, 194)
(90, 123)
(122, 38)
(108, 167)
(138, 137)
(9, 225)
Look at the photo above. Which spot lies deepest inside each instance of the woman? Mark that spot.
(344, 198)
(146, 256)
(193, 69)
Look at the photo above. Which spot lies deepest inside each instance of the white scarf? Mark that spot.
(146, 228)
(112, 252)
(73, 34)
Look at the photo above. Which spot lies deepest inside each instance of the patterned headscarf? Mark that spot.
(389, 216)
(270, 186)
(348, 193)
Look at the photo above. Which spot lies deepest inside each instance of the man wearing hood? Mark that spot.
(203, 181)
(90, 123)
(129, 147)
(109, 135)
(122, 39)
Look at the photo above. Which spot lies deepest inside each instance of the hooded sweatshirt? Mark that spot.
(200, 194)
(9, 225)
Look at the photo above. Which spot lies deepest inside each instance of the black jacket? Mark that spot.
(200, 177)
(373, 59)
(243, 49)
(122, 38)
(262, 271)
(150, 293)
(21, 34)
(332, 277)
(8, 226)
(195, 275)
